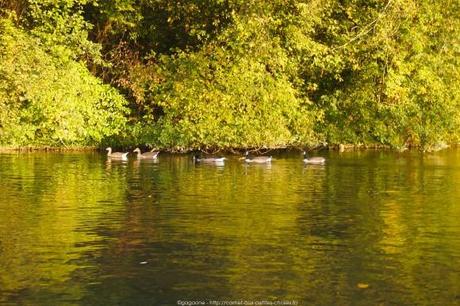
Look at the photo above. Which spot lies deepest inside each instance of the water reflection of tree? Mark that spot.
(53, 199)
(285, 231)
(374, 227)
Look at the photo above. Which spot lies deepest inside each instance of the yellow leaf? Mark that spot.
(362, 285)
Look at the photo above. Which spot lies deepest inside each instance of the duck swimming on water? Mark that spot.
(116, 155)
(317, 160)
(257, 159)
(146, 155)
(199, 159)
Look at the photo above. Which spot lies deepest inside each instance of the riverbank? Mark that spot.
(319, 147)
(47, 149)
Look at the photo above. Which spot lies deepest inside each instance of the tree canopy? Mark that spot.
(230, 73)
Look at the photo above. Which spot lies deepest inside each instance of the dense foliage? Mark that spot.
(50, 99)
(233, 73)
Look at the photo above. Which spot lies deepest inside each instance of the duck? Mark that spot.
(116, 155)
(257, 159)
(147, 155)
(317, 160)
(199, 159)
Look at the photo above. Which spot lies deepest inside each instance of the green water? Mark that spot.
(372, 228)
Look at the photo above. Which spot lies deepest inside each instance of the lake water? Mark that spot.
(367, 228)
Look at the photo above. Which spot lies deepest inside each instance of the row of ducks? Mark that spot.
(124, 155)
(197, 158)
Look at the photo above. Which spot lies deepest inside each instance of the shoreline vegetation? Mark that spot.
(235, 151)
(182, 75)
